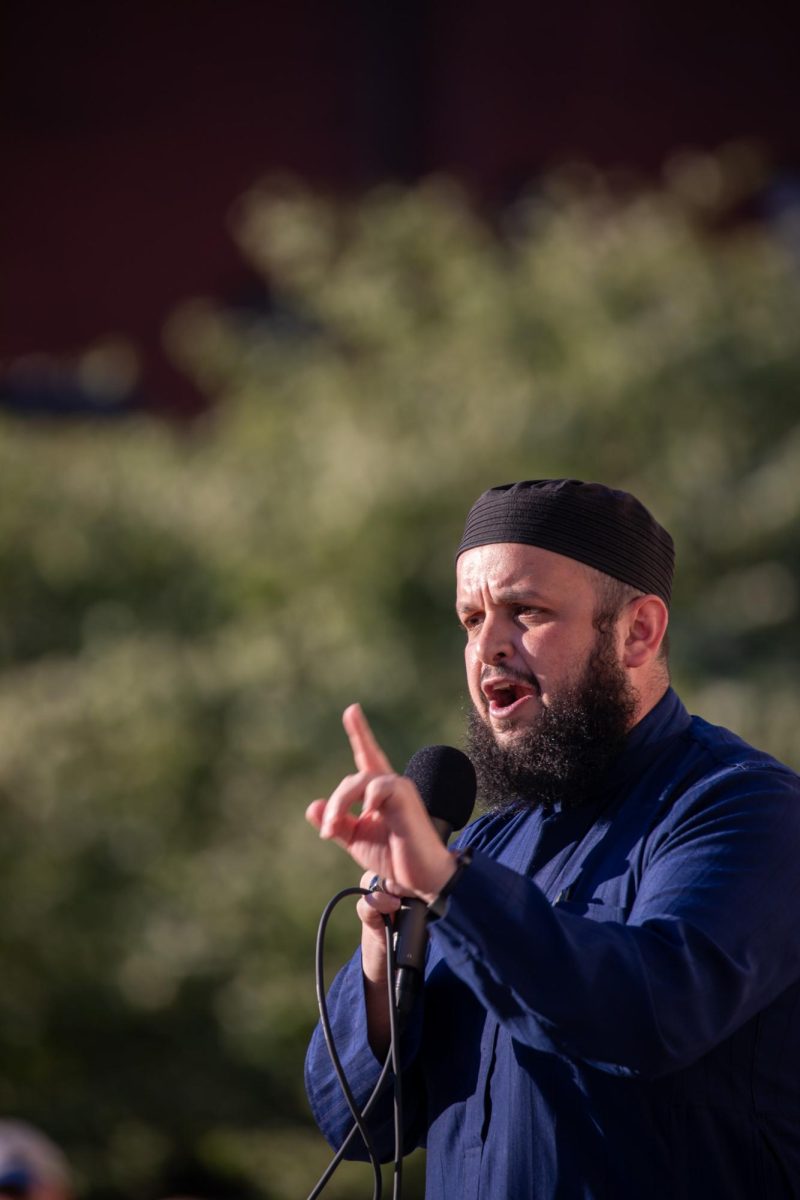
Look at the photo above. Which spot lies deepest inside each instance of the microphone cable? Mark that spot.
(392, 1062)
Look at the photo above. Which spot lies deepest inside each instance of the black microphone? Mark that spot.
(445, 779)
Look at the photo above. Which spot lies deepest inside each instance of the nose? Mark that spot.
(494, 643)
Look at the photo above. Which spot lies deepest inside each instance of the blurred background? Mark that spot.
(284, 288)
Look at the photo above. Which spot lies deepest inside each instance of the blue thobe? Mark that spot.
(612, 998)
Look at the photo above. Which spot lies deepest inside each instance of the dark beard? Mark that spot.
(562, 759)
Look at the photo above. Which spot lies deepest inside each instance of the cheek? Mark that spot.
(539, 647)
(472, 666)
(553, 657)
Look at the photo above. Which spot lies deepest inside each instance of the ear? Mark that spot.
(644, 624)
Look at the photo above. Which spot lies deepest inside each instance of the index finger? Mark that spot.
(366, 751)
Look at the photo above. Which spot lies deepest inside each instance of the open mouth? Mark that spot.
(506, 697)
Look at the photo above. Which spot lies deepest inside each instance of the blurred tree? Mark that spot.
(182, 620)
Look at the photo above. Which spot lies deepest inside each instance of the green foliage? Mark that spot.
(182, 619)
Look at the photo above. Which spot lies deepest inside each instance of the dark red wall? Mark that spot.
(130, 128)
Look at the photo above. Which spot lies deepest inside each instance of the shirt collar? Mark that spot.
(665, 721)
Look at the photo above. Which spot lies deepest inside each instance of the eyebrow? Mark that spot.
(509, 596)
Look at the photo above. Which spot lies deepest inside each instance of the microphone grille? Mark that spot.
(445, 779)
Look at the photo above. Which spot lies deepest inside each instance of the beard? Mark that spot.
(562, 759)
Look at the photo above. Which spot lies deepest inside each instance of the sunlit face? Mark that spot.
(528, 615)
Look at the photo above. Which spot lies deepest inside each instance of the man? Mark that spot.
(612, 996)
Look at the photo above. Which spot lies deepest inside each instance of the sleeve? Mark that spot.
(711, 939)
(347, 1012)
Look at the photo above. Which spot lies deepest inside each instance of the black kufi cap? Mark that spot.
(597, 525)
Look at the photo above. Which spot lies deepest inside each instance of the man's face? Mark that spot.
(529, 618)
(552, 701)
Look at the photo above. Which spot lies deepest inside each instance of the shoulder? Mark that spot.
(719, 781)
(703, 756)
(727, 749)
(718, 759)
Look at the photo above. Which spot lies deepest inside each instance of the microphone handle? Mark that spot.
(411, 939)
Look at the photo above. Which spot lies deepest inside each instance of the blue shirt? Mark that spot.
(612, 998)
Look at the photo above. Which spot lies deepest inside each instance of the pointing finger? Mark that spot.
(366, 751)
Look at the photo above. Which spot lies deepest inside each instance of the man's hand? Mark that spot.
(391, 835)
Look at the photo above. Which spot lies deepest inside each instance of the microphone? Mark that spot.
(445, 779)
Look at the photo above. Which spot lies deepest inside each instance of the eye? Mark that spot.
(470, 621)
(530, 612)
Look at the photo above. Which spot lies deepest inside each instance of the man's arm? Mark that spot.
(712, 937)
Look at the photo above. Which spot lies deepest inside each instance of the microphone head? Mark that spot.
(445, 780)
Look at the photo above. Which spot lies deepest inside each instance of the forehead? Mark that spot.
(510, 567)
